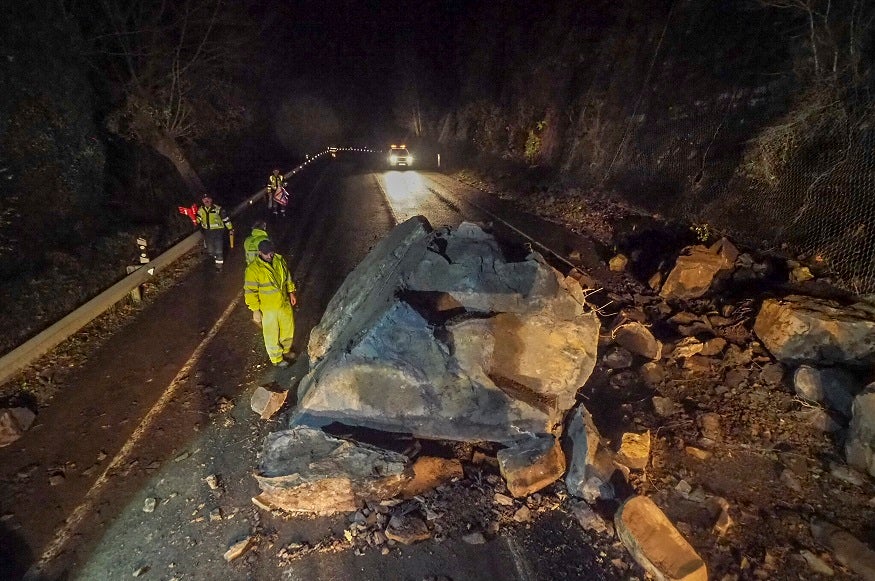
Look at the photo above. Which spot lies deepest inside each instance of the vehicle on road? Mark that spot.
(400, 156)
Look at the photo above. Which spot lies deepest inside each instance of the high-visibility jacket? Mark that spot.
(274, 182)
(250, 245)
(213, 218)
(267, 285)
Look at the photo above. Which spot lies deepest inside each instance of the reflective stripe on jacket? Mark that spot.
(273, 181)
(213, 218)
(267, 285)
(250, 245)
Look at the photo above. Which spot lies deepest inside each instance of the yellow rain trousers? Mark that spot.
(266, 288)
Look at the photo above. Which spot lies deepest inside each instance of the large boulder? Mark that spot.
(304, 470)
(369, 289)
(508, 363)
(798, 329)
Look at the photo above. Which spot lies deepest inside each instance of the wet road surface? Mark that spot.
(166, 403)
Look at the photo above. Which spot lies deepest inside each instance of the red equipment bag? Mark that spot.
(281, 196)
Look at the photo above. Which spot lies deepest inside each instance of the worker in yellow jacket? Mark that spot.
(250, 245)
(269, 293)
(213, 220)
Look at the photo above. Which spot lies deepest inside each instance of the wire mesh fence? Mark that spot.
(758, 156)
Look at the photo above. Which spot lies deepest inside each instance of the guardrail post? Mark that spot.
(137, 291)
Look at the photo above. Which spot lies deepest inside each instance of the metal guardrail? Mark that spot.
(54, 335)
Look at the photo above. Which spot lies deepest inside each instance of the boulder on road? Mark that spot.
(304, 470)
(798, 329)
(509, 363)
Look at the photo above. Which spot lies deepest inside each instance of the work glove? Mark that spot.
(256, 317)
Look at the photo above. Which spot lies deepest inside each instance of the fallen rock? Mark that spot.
(698, 453)
(475, 538)
(860, 442)
(696, 269)
(13, 423)
(306, 470)
(687, 347)
(591, 466)
(655, 543)
(238, 549)
(846, 474)
(430, 472)
(800, 329)
(634, 450)
(588, 519)
(709, 424)
(816, 564)
(652, 373)
(618, 263)
(713, 346)
(369, 289)
(522, 515)
(833, 387)
(266, 402)
(724, 522)
(664, 406)
(617, 358)
(513, 369)
(149, 504)
(638, 339)
(819, 419)
(531, 464)
(847, 549)
(407, 529)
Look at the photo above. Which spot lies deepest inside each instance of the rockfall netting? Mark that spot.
(753, 119)
(774, 163)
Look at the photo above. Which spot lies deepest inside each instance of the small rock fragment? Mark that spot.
(709, 423)
(635, 450)
(638, 339)
(652, 373)
(523, 514)
(141, 571)
(698, 453)
(817, 564)
(149, 504)
(429, 472)
(531, 464)
(475, 538)
(790, 480)
(238, 549)
(407, 529)
(618, 263)
(588, 519)
(665, 407)
(618, 358)
(13, 423)
(266, 402)
(212, 481)
(503, 499)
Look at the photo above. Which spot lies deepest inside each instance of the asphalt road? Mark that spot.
(166, 403)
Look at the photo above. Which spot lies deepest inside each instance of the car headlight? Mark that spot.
(409, 159)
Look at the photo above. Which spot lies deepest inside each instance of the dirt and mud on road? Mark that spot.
(142, 464)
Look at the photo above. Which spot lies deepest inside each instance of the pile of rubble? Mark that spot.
(441, 336)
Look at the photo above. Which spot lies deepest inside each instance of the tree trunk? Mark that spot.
(167, 147)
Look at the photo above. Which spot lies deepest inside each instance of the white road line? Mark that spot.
(65, 533)
(522, 567)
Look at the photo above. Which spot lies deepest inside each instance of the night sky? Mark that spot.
(352, 58)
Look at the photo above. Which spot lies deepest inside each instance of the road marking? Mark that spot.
(523, 570)
(62, 536)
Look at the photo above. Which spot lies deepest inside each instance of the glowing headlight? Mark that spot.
(409, 159)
